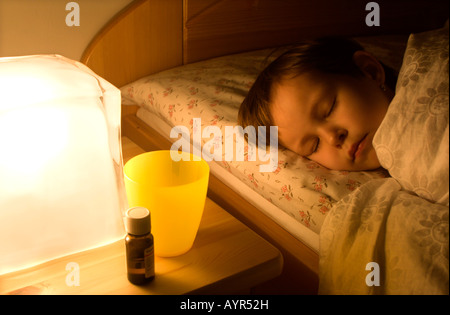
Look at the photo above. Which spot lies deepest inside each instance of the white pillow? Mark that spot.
(412, 142)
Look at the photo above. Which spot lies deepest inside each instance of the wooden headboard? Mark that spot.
(152, 35)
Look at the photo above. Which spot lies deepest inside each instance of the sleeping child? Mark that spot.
(328, 98)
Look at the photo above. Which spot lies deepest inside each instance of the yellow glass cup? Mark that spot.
(173, 191)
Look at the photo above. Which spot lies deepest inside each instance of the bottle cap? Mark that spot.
(138, 221)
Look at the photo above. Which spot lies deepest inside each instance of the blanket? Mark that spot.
(390, 236)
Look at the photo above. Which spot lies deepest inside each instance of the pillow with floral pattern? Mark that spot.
(412, 142)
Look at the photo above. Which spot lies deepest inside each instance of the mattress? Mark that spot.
(199, 102)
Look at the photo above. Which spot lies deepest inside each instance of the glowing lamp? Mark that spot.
(61, 180)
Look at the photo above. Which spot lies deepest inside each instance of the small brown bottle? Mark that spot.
(139, 246)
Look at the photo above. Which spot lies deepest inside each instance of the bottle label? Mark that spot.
(149, 261)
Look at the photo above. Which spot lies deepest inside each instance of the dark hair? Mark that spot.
(328, 55)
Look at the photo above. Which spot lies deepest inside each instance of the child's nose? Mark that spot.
(335, 136)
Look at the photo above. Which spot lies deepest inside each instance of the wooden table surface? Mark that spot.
(226, 257)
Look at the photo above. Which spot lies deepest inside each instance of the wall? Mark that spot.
(39, 26)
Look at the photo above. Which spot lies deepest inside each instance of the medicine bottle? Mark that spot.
(139, 246)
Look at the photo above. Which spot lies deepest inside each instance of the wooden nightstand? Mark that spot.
(227, 258)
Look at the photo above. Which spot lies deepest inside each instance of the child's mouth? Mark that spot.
(357, 148)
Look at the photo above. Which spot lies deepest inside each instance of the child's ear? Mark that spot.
(369, 66)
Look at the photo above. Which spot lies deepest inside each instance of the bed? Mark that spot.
(184, 66)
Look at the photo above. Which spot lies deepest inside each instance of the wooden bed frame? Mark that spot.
(153, 35)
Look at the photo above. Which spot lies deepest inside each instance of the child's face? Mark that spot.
(330, 119)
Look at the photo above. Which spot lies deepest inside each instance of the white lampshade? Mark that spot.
(61, 180)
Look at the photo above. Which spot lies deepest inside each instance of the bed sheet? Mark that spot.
(383, 239)
(209, 93)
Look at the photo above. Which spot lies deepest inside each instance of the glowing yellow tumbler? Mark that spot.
(173, 191)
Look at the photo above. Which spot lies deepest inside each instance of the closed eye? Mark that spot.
(317, 143)
(331, 108)
(316, 146)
